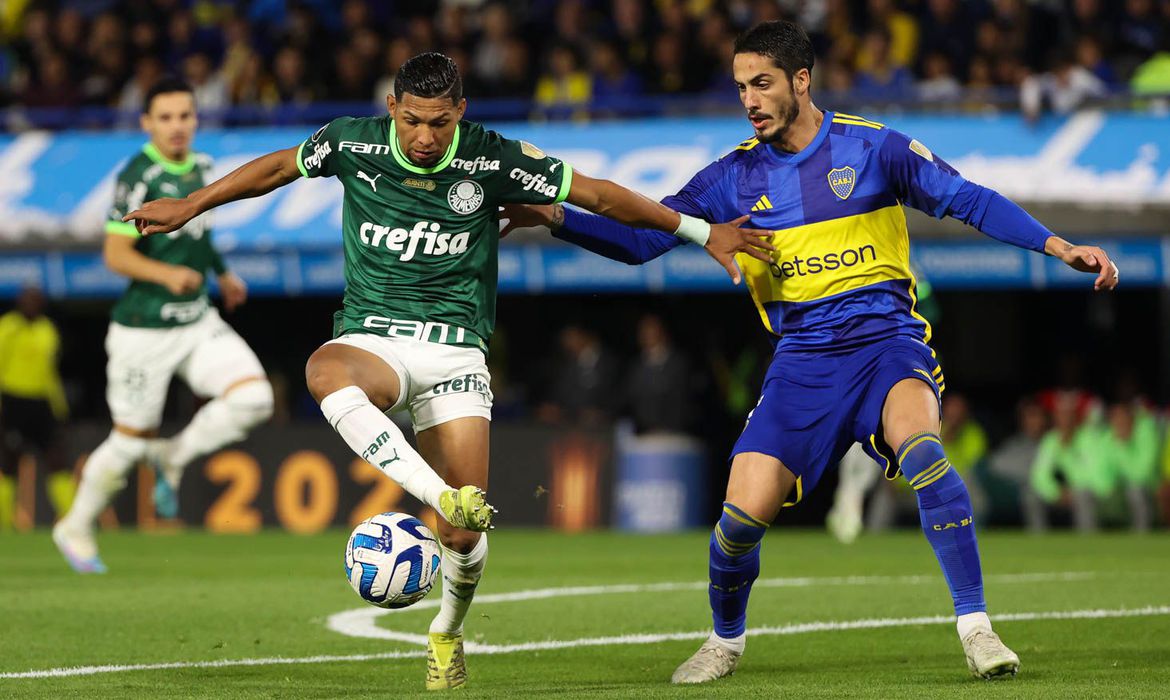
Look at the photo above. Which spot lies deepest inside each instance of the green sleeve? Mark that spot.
(216, 260)
(129, 194)
(527, 175)
(317, 154)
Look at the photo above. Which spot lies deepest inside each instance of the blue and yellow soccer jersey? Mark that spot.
(841, 273)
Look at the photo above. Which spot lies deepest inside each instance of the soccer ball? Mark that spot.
(392, 560)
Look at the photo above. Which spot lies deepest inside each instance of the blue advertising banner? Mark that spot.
(559, 269)
(61, 184)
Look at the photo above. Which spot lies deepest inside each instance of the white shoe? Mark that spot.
(987, 656)
(78, 548)
(711, 661)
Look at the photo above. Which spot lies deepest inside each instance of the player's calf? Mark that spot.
(948, 520)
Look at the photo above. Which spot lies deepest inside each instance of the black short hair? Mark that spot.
(429, 74)
(163, 86)
(780, 40)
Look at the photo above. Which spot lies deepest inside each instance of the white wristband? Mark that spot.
(693, 230)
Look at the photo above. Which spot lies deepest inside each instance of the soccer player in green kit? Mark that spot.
(162, 326)
(420, 230)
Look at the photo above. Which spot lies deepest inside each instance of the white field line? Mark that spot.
(800, 628)
(363, 622)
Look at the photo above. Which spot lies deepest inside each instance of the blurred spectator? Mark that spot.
(965, 439)
(900, 27)
(211, 92)
(1129, 449)
(1153, 76)
(52, 85)
(32, 401)
(492, 48)
(1139, 30)
(882, 79)
(1065, 88)
(565, 84)
(1064, 471)
(612, 79)
(1091, 57)
(1013, 461)
(631, 32)
(147, 72)
(948, 29)
(667, 73)
(397, 53)
(291, 83)
(939, 83)
(351, 82)
(583, 383)
(659, 388)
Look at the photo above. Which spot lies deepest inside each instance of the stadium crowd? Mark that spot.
(1045, 53)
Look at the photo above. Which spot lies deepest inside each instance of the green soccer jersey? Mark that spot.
(421, 244)
(149, 176)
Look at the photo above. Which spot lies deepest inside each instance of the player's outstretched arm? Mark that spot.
(721, 241)
(597, 234)
(121, 257)
(253, 179)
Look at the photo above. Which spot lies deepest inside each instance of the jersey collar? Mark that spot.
(804, 153)
(403, 161)
(174, 167)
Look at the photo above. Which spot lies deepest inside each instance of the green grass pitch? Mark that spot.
(190, 597)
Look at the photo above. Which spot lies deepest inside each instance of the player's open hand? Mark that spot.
(162, 215)
(183, 280)
(729, 239)
(1090, 258)
(233, 290)
(514, 216)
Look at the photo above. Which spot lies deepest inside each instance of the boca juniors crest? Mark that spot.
(841, 181)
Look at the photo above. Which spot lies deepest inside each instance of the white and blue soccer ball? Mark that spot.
(392, 560)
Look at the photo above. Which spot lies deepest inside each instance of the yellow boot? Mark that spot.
(61, 489)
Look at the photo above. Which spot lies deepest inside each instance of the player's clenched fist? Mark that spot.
(162, 215)
(183, 280)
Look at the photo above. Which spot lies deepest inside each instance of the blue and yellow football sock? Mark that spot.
(735, 564)
(944, 509)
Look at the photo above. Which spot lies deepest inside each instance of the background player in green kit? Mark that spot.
(420, 232)
(164, 325)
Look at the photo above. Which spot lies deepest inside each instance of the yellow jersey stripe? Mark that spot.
(856, 123)
(767, 202)
(929, 379)
(748, 145)
(856, 118)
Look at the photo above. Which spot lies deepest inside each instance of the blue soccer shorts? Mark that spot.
(815, 405)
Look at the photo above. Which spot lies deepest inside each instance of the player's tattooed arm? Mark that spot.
(1085, 258)
(252, 179)
(122, 258)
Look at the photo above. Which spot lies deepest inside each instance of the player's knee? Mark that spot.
(456, 539)
(325, 375)
(251, 403)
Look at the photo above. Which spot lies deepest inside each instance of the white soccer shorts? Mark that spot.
(208, 355)
(440, 383)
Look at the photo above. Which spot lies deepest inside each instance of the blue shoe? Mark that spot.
(166, 485)
(79, 550)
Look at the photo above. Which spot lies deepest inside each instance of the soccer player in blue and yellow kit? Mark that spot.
(852, 361)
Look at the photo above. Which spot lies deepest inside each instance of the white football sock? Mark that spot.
(103, 475)
(968, 623)
(461, 573)
(733, 644)
(221, 422)
(376, 439)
